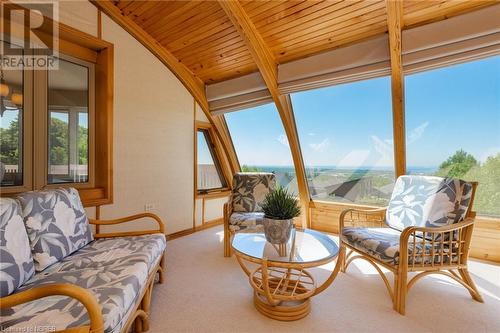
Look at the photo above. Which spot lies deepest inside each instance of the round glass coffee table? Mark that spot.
(282, 284)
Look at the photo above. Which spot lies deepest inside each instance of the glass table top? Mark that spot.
(304, 246)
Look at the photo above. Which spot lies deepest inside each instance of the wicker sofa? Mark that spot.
(57, 275)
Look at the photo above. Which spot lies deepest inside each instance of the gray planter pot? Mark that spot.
(277, 231)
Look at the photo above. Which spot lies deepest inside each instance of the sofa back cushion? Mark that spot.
(56, 223)
(16, 261)
(428, 201)
(250, 190)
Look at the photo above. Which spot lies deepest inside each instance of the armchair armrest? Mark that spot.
(360, 213)
(60, 289)
(445, 242)
(161, 226)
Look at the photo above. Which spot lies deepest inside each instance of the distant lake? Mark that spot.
(323, 168)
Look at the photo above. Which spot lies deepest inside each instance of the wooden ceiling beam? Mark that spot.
(394, 25)
(193, 84)
(268, 68)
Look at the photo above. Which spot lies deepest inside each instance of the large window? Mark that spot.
(209, 173)
(51, 141)
(11, 127)
(345, 134)
(261, 144)
(453, 117)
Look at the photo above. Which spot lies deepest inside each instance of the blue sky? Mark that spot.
(350, 125)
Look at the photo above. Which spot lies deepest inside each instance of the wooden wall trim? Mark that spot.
(394, 24)
(268, 68)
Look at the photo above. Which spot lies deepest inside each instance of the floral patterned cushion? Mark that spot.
(16, 262)
(56, 223)
(115, 270)
(251, 221)
(250, 190)
(383, 244)
(427, 201)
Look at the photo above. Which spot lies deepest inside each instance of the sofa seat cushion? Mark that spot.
(115, 271)
(16, 261)
(56, 224)
(246, 222)
(383, 244)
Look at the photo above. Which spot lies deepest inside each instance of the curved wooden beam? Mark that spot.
(192, 83)
(268, 68)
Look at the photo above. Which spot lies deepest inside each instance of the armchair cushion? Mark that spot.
(16, 261)
(427, 201)
(250, 190)
(114, 270)
(383, 244)
(241, 221)
(56, 224)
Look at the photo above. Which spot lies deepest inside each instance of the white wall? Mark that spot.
(153, 127)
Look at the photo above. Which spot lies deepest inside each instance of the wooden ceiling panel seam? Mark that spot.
(323, 14)
(218, 50)
(233, 55)
(220, 63)
(263, 7)
(194, 23)
(205, 44)
(180, 22)
(190, 39)
(227, 66)
(153, 25)
(323, 42)
(363, 35)
(442, 11)
(146, 5)
(164, 10)
(211, 79)
(338, 28)
(278, 10)
(302, 9)
(330, 20)
(215, 19)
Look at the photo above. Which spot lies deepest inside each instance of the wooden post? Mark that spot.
(394, 24)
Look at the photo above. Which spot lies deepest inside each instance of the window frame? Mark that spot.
(100, 53)
(41, 132)
(27, 137)
(209, 135)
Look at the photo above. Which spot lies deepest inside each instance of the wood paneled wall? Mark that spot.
(485, 238)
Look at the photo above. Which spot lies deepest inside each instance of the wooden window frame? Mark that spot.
(79, 46)
(216, 153)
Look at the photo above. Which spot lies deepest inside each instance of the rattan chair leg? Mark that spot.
(464, 273)
(227, 243)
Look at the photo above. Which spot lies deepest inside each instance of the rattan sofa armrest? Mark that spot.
(85, 297)
(161, 226)
(421, 234)
(358, 210)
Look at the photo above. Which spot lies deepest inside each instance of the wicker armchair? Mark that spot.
(242, 212)
(426, 228)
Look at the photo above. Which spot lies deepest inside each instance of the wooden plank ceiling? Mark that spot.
(202, 37)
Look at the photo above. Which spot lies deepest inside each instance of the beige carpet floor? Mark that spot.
(205, 292)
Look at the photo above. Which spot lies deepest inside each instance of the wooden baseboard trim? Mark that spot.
(186, 232)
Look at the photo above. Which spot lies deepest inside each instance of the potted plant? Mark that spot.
(280, 208)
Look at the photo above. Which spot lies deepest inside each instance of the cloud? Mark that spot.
(311, 134)
(283, 140)
(320, 147)
(417, 132)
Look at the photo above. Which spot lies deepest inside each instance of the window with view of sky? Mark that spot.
(455, 116)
